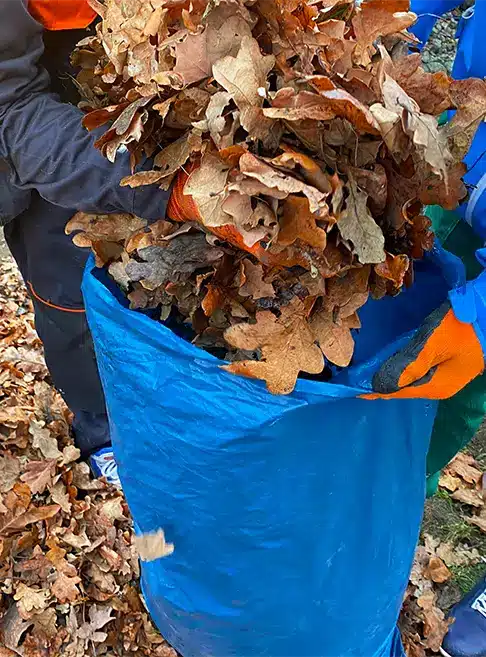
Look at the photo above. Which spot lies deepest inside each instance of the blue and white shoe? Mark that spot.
(103, 464)
(467, 635)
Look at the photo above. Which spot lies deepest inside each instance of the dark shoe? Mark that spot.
(467, 635)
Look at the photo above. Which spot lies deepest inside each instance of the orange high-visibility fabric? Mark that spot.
(181, 207)
(454, 349)
(62, 14)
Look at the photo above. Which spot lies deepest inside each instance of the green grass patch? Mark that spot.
(466, 577)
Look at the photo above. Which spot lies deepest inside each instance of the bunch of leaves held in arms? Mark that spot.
(311, 140)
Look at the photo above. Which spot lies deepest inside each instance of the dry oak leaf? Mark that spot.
(33, 515)
(479, 521)
(447, 192)
(207, 187)
(9, 472)
(252, 283)
(469, 496)
(437, 571)
(394, 268)
(30, 600)
(466, 467)
(107, 227)
(289, 105)
(60, 496)
(375, 19)
(335, 340)
(469, 98)
(65, 589)
(431, 91)
(214, 121)
(449, 482)
(192, 58)
(98, 618)
(38, 475)
(435, 623)
(272, 178)
(421, 128)
(177, 260)
(357, 225)
(245, 77)
(152, 545)
(346, 106)
(298, 223)
(306, 166)
(43, 440)
(287, 347)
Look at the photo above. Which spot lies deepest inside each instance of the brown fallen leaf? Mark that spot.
(435, 623)
(207, 187)
(298, 223)
(152, 546)
(431, 91)
(65, 588)
(192, 58)
(449, 482)
(30, 600)
(252, 283)
(422, 128)
(469, 99)
(478, 521)
(469, 496)
(99, 617)
(38, 475)
(244, 76)
(357, 225)
(465, 466)
(335, 340)
(33, 515)
(256, 168)
(378, 18)
(394, 268)
(9, 472)
(437, 571)
(310, 170)
(287, 346)
(107, 227)
(43, 440)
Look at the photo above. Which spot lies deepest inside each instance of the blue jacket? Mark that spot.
(43, 147)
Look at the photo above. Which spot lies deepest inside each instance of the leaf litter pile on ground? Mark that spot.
(309, 145)
(68, 568)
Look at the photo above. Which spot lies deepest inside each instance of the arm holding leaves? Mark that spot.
(42, 140)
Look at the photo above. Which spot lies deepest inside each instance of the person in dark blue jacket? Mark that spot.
(49, 170)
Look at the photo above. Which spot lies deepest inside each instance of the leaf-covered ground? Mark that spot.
(68, 568)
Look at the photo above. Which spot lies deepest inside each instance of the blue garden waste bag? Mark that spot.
(294, 519)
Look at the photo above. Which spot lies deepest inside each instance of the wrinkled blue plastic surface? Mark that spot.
(294, 518)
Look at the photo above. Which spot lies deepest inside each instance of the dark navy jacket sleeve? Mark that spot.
(42, 142)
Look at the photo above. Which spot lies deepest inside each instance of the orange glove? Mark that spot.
(443, 357)
(181, 207)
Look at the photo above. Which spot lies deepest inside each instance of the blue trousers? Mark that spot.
(52, 268)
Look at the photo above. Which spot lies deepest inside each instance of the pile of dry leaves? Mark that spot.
(423, 622)
(310, 141)
(68, 568)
